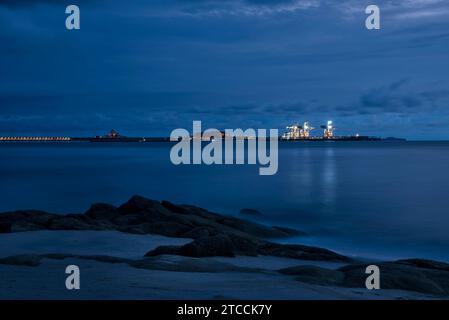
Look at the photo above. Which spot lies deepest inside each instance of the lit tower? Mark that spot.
(328, 130)
(294, 132)
(306, 130)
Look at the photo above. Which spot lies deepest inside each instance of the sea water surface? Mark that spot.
(369, 199)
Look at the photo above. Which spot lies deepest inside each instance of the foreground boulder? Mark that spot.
(29, 260)
(250, 212)
(212, 234)
(232, 245)
(315, 275)
(296, 251)
(25, 220)
(142, 216)
(419, 275)
(164, 263)
(217, 245)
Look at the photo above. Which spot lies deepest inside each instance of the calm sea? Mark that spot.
(376, 199)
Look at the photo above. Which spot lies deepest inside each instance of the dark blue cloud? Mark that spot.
(148, 67)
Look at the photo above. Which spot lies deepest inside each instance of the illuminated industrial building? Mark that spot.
(328, 130)
(298, 132)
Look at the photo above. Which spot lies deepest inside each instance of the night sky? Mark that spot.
(148, 67)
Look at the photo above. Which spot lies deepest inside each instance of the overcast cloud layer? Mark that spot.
(148, 67)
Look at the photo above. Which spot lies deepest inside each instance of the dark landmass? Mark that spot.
(393, 139)
(122, 139)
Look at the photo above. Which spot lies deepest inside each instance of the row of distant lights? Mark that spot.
(34, 139)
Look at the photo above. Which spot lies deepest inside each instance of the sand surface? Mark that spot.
(120, 281)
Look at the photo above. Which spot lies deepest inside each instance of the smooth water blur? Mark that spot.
(378, 199)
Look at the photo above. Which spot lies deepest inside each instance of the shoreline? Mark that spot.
(122, 274)
(188, 245)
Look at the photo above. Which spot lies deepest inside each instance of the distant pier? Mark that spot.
(35, 139)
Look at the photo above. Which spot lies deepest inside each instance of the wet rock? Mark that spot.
(175, 208)
(102, 211)
(29, 260)
(69, 223)
(315, 275)
(104, 258)
(219, 245)
(58, 256)
(251, 212)
(141, 215)
(426, 264)
(403, 276)
(289, 232)
(213, 234)
(231, 245)
(139, 204)
(176, 264)
(24, 220)
(199, 232)
(418, 275)
(295, 251)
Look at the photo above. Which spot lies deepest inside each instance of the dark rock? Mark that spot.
(165, 263)
(213, 234)
(426, 264)
(69, 223)
(232, 245)
(187, 265)
(289, 232)
(250, 212)
(219, 245)
(25, 220)
(252, 228)
(141, 215)
(130, 219)
(102, 211)
(295, 251)
(161, 250)
(29, 260)
(195, 211)
(175, 208)
(104, 258)
(398, 275)
(423, 276)
(58, 256)
(21, 226)
(198, 232)
(99, 258)
(315, 275)
(167, 228)
(139, 204)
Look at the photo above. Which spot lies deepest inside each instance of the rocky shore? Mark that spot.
(216, 236)
(212, 234)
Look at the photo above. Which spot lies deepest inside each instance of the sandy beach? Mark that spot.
(100, 280)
